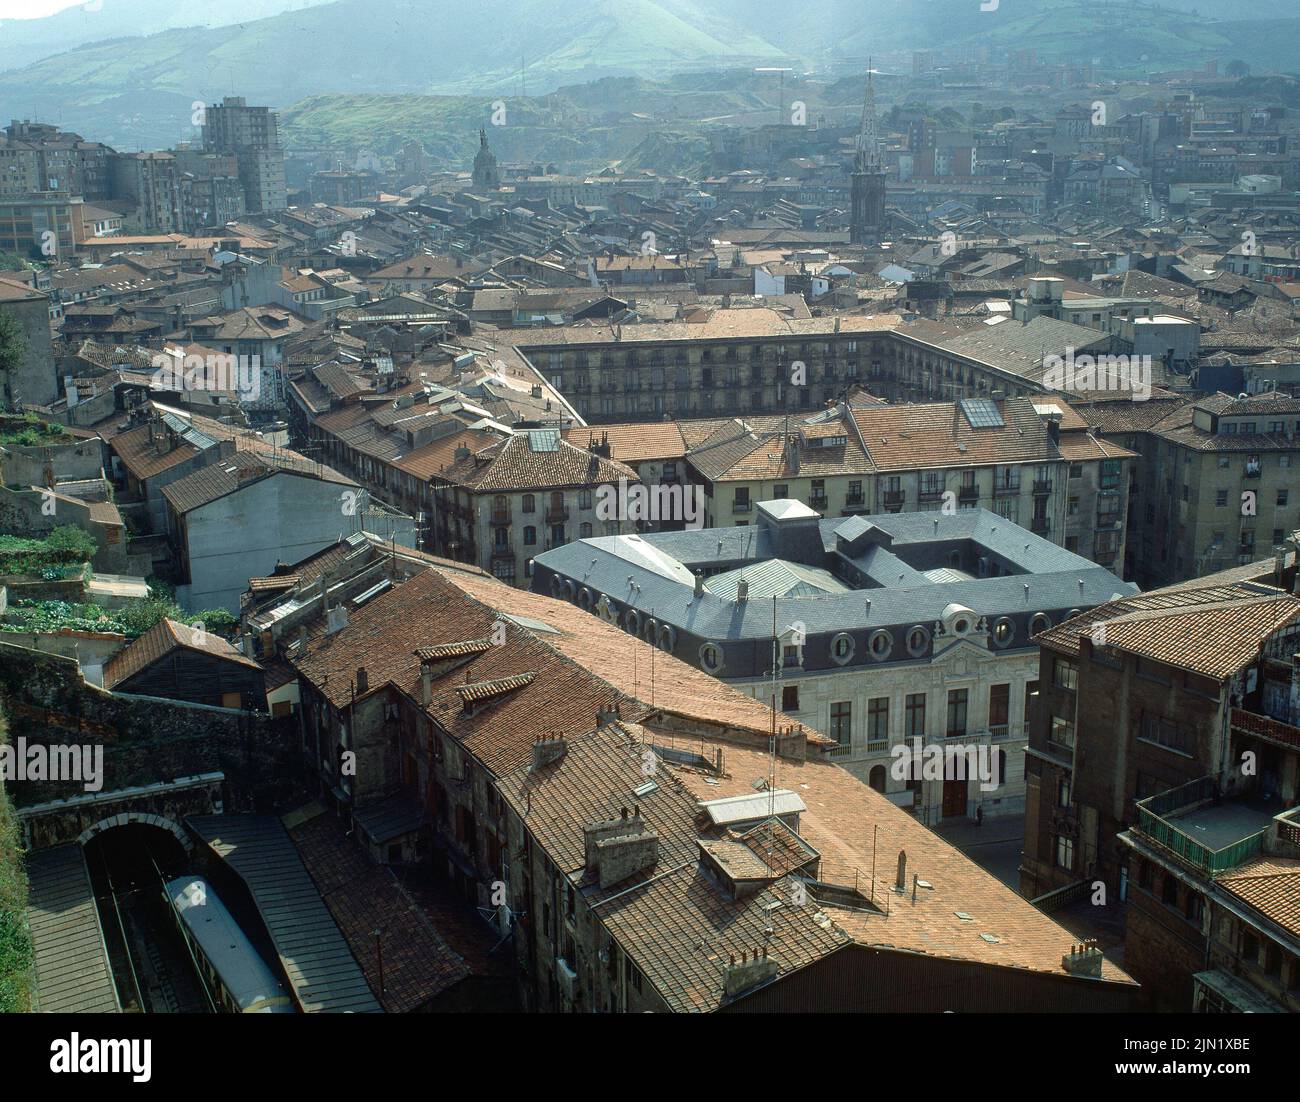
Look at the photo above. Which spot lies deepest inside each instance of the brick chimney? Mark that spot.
(1083, 960)
(619, 848)
(548, 750)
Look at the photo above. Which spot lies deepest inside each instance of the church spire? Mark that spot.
(867, 157)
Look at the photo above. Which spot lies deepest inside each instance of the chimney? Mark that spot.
(426, 684)
(900, 884)
(619, 848)
(699, 585)
(742, 590)
(1083, 960)
(740, 976)
(548, 750)
(363, 681)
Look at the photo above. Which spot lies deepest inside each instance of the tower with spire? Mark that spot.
(487, 177)
(867, 191)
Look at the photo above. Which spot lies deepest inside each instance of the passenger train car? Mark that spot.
(236, 974)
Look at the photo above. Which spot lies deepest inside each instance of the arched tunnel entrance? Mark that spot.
(152, 965)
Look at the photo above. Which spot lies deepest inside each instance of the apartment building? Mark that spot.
(1164, 760)
(606, 823)
(251, 135)
(1033, 461)
(887, 634)
(753, 361)
(1216, 482)
(507, 503)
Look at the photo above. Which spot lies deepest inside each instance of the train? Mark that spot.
(235, 973)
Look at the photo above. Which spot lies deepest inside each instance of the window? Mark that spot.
(1064, 852)
(1169, 890)
(1164, 732)
(1031, 698)
(1111, 469)
(1283, 496)
(780, 492)
(530, 504)
(842, 722)
(915, 715)
(877, 722)
(584, 530)
(790, 698)
(1072, 507)
(530, 535)
(1062, 733)
(1065, 675)
(789, 656)
(1063, 792)
(999, 709)
(1220, 498)
(957, 699)
(584, 499)
(1076, 470)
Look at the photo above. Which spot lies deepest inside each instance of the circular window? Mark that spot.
(918, 641)
(632, 622)
(652, 629)
(882, 644)
(667, 637)
(961, 625)
(842, 648)
(1040, 622)
(1004, 631)
(711, 658)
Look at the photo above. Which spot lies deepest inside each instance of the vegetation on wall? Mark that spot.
(15, 943)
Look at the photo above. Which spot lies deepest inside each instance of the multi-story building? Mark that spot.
(152, 182)
(889, 633)
(1034, 462)
(38, 156)
(507, 503)
(1216, 483)
(44, 225)
(1164, 757)
(251, 135)
(605, 820)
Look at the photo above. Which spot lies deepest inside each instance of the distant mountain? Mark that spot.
(23, 41)
(138, 92)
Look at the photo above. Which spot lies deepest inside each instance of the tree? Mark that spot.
(1237, 68)
(12, 347)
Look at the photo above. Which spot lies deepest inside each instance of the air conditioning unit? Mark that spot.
(567, 978)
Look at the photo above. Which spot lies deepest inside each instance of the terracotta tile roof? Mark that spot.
(141, 458)
(901, 438)
(676, 923)
(438, 652)
(633, 443)
(1210, 629)
(363, 897)
(842, 818)
(514, 465)
(1080, 446)
(159, 641)
(228, 475)
(477, 692)
(1270, 886)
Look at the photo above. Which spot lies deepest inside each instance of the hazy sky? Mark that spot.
(35, 9)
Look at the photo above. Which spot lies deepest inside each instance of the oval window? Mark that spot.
(882, 645)
(711, 657)
(842, 648)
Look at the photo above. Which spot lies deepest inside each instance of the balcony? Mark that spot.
(854, 501)
(1006, 488)
(968, 494)
(931, 494)
(818, 502)
(500, 516)
(741, 506)
(1210, 833)
(1107, 520)
(556, 514)
(1042, 487)
(843, 750)
(1253, 725)
(895, 497)
(503, 551)
(1040, 525)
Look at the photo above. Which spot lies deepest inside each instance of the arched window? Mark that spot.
(877, 779)
(530, 535)
(584, 530)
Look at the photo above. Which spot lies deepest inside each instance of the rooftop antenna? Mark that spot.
(652, 665)
(771, 767)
